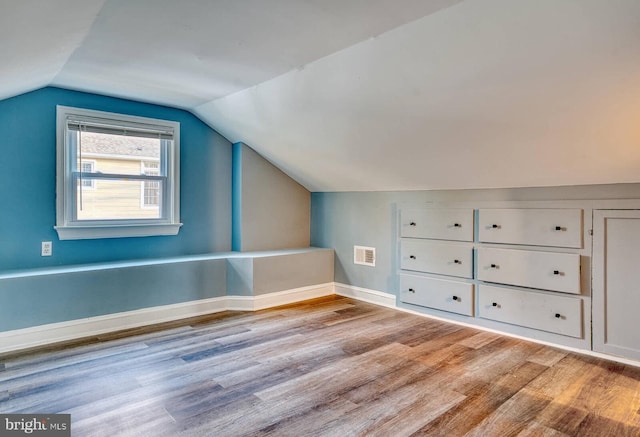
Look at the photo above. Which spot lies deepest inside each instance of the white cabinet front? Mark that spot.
(536, 227)
(452, 296)
(616, 282)
(546, 270)
(546, 312)
(439, 224)
(437, 257)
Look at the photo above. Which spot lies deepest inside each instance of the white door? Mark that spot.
(616, 282)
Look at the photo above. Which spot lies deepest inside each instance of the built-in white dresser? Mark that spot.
(539, 284)
(513, 269)
(436, 259)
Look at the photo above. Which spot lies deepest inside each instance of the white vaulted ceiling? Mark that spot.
(364, 94)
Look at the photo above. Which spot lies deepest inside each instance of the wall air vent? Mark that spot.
(365, 256)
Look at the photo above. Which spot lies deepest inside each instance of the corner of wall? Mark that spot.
(236, 198)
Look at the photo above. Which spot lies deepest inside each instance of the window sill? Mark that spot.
(117, 231)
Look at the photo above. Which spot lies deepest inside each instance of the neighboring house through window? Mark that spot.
(136, 162)
(88, 167)
(150, 189)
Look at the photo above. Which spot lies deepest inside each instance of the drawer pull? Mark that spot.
(412, 224)
(411, 290)
(457, 261)
(495, 304)
(558, 315)
(558, 228)
(412, 256)
(457, 225)
(494, 226)
(556, 272)
(455, 298)
(494, 266)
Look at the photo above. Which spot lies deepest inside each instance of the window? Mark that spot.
(150, 189)
(88, 167)
(117, 175)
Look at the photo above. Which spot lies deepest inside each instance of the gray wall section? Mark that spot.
(342, 220)
(275, 208)
(286, 272)
(240, 276)
(262, 274)
(57, 297)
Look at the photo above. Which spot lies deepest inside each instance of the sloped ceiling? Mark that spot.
(364, 94)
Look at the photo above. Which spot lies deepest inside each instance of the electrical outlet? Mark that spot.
(47, 248)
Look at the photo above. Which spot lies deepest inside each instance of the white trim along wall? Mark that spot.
(21, 339)
(41, 335)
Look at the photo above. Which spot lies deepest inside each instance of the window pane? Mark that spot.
(88, 167)
(151, 189)
(119, 154)
(151, 196)
(118, 200)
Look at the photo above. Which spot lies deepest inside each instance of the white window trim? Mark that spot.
(91, 229)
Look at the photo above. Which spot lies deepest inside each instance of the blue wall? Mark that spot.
(343, 220)
(236, 238)
(28, 185)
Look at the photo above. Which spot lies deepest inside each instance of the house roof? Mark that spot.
(364, 94)
(119, 145)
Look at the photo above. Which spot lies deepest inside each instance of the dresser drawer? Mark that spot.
(527, 268)
(536, 227)
(439, 224)
(452, 296)
(546, 312)
(437, 257)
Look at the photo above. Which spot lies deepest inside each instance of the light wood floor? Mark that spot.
(328, 367)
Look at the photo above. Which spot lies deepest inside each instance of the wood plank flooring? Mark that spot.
(327, 367)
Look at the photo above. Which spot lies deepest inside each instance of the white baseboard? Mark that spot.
(27, 338)
(366, 295)
(269, 300)
(64, 331)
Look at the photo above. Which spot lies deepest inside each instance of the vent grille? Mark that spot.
(365, 256)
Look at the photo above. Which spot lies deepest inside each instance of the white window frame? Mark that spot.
(70, 228)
